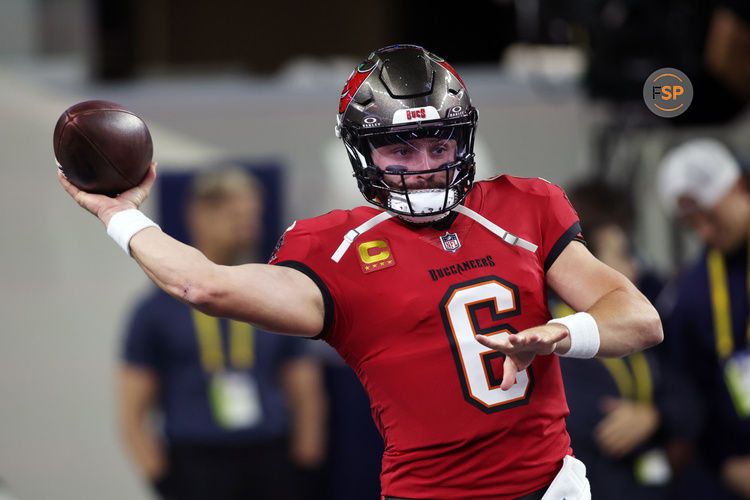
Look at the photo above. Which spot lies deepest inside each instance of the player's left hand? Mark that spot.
(520, 348)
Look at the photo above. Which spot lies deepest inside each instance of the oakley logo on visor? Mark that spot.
(415, 114)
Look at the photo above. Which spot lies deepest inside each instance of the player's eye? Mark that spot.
(440, 149)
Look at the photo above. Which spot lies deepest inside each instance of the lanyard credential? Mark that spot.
(735, 362)
(241, 343)
(720, 302)
(233, 393)
(634, 384)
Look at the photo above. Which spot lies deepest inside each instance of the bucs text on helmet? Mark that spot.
(399, 94)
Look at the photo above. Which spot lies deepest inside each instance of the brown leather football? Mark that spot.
(102, 147)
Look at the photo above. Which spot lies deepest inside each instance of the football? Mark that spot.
(102, 147)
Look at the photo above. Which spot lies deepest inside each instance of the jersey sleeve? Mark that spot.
(560, 225)
(294, 250)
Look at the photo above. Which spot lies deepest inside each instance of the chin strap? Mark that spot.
(504, 235)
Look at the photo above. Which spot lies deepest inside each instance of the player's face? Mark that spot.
(416, 155)
(611, 247)
(724, 226)
(232, 222)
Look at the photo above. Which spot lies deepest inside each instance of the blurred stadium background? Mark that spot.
(558, 89)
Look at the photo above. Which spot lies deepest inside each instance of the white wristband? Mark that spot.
(584, 335)
(123, 226)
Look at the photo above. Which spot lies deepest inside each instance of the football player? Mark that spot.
(434, 295)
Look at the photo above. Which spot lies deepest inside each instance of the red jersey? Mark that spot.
(402, 307)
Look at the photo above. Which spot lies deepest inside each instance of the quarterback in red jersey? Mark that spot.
(404, 306)
(435, 296)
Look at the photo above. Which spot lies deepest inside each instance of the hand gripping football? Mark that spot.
(102, 147)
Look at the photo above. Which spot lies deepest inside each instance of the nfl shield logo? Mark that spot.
(450, 242)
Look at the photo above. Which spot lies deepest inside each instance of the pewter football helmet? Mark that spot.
(401, 93)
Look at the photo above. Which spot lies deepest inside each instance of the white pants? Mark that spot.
(570, 483)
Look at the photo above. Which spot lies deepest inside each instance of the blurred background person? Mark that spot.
(625, 413)
(243, 410)
(706, 311)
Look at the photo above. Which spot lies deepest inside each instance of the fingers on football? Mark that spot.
(78, 195)
(67, 186)
(150, 177)
(139, 193)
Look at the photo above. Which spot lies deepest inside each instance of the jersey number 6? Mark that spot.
(461, 309)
